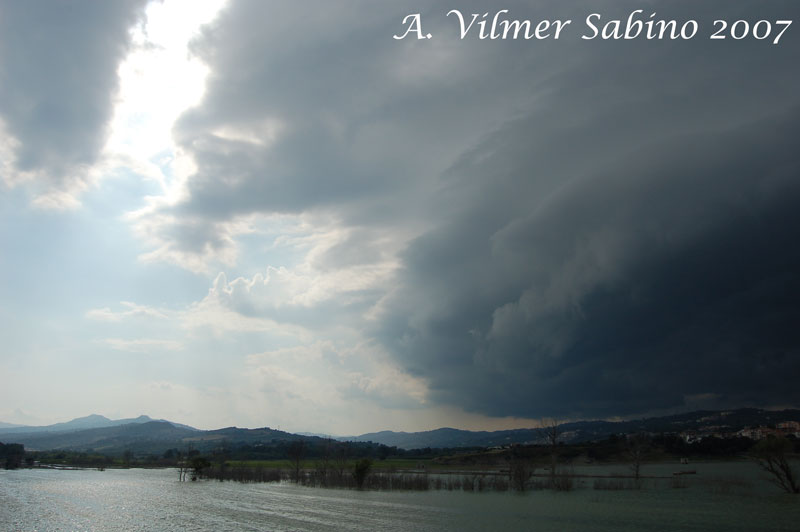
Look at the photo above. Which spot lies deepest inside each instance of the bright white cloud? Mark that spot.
(159, 80)
(131, 310)
(142, 345)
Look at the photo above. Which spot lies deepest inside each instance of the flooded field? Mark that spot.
(717, 497)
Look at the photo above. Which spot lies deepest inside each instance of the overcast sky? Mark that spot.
(276, 214)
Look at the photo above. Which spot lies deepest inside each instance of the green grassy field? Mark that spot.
(379, 465)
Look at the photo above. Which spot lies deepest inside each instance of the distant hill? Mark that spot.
(147, 437)
(580, 431)
(93, 421)
(144, 435)
(316, 434)
(448, 437)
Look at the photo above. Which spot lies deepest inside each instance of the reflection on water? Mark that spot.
(154, 500)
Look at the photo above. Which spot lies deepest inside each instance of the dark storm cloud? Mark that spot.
(654, 280)
(627, 247)
(58, 74)
(608, 226)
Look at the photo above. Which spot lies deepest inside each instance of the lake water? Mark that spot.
(726, 497)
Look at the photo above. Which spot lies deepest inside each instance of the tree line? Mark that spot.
(349, 463)
(12, 455)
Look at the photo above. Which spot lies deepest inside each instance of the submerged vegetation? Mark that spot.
(550, 464)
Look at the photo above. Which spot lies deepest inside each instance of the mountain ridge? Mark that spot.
(92, 421)
(577, 431)
(156, 436)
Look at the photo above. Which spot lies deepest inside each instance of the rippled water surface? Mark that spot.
(137, 499)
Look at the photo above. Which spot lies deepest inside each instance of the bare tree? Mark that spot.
(199, 464)
(637, 446)
(771, 456)
(360, 471)
(183, 461)
(324, 463)
(341, 459)
(12, 454)
(551, 434)
(183, 469)
(295, 452)
(520, 468)
(221, 457)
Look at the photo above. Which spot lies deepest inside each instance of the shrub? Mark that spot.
(361, 470)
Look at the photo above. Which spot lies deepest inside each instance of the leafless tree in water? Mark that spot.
(771, 456)
(295, 452)
(551, 433)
